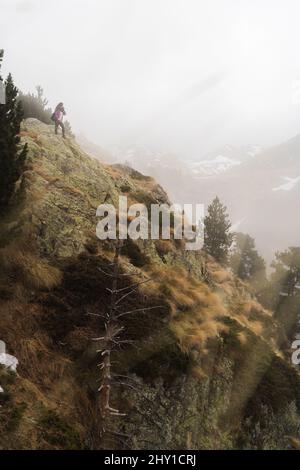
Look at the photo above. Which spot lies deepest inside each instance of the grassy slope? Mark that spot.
(210, 339)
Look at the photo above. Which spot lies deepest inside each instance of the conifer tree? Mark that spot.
(217, 236)
(287, 271)
(12, 157)
(245, 261)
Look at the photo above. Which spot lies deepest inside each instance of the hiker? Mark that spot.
(58, 116)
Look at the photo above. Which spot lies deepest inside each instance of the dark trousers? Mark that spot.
(60, 124)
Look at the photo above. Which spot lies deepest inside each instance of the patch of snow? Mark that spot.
(254, 150)
(219, 164)
(11, 362)
(1, 389)
(289, 185)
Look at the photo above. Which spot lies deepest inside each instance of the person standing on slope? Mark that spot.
(58, 116)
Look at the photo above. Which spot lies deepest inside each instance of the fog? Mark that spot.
(178, 76)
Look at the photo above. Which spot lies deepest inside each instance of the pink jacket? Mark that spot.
(59, 115)
(59, 112)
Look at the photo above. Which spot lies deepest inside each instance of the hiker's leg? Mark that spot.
(56, 126)
(63, 129)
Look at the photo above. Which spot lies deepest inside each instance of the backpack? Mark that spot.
(53, 117)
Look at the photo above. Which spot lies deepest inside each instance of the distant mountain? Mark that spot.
(262, 194)
(289, 184)
(261, 187)
(211, 163)
(223, 159)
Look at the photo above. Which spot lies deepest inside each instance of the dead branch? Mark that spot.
(112, 339)
(138, 310)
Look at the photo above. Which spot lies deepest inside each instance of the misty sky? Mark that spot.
(179, 76)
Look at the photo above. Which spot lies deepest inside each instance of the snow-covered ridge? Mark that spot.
(213, 163)
(288, 185)
(215, 166)
(224, 159)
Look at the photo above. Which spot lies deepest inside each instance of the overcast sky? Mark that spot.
(180, 76)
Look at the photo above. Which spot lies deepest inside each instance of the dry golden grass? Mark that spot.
(195, 309)
(12, 322)
(242, 337)
(33, 135)
(163, 247)
(112, 171)
(251, 315)
(28, 268)
(75, 191)
(79, 338)
(38, 362)
(194, 334)
(221, 276)
(295, 442)
(180, 290)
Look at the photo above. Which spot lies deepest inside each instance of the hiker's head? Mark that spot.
(60, 105)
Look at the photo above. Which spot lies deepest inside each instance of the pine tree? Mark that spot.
(287, 271)
(245, 261)
(282, 292)
(12, 157)
(217, 236)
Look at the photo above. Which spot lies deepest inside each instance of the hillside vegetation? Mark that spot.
(203, 369)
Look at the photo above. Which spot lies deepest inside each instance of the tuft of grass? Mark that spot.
(221, 276)
(29, 269)
(195, 309)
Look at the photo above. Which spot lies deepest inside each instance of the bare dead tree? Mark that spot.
(113, 336)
